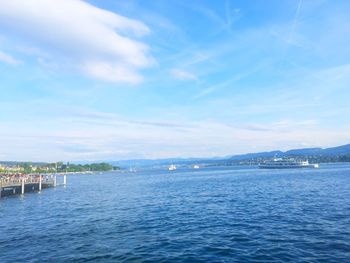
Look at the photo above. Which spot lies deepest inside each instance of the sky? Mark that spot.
(117, 79)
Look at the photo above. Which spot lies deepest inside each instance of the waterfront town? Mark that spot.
(18, 178)
(57, 167)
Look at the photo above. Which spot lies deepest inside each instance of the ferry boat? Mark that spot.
(280, 163)
(172, 167)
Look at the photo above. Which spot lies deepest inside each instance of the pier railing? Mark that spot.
(20, 183)
(8, 181)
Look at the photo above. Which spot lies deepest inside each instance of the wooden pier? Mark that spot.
(12, 185)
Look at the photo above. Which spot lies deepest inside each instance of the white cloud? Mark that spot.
(182, 74)
(100, 43)
(90, 135)
(8, 59)
(111, 72)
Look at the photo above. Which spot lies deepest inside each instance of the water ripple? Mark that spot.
(213, 215)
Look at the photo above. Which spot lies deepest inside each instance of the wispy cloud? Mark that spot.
(88, 135)
(232, 14)
(8, 59)
(75, 34)
(157, 142)
(222, 21)
(182, 74)
(227, 83)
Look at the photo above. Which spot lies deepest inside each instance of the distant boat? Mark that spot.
(195, 166)
(172, 167)
(132, 170)
(280, 163)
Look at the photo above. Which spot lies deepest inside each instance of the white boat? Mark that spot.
(195, 166)
(172, 167)
(280, 163)
(132, 170)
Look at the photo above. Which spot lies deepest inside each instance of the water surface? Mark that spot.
(205, 215)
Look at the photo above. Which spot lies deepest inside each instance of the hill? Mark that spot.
(333, 154)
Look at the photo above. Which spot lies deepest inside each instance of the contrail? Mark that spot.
(294, 25)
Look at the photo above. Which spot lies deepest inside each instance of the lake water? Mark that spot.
(204, 215)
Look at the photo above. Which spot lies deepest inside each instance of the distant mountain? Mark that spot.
(340, 150)
(158, 162)
(305, 152)
(315, 154)
(257, 155)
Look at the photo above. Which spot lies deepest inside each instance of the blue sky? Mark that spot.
(109, 80)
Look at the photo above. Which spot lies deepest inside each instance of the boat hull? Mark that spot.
(288, 166)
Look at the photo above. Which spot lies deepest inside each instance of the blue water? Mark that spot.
(205, 215)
